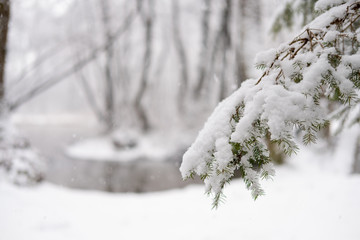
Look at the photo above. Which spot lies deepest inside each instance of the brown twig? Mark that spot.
(279, 75)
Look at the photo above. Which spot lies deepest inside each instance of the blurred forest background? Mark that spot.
(145, 64)
(112, 92)
(139, 77)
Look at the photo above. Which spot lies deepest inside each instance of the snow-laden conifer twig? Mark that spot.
(323, 62)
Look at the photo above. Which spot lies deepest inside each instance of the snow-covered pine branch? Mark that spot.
(321, 62)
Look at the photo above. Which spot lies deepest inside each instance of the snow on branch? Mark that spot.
(323, 62)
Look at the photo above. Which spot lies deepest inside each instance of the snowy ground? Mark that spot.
(311, 198)
(299, 205)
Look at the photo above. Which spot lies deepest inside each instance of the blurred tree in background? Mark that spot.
(18, 161)
(131, 57)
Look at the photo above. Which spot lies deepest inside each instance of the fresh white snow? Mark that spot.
(303, 202)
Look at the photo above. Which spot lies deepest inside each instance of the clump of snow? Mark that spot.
(200, 151)
(325, 19)
(224, 155)
(322, 5)
(354, 60)
(330, 36)
(265, 57)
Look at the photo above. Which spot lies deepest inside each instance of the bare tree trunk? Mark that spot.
(241, 73)
(109, 81)
(249, 14)
(148, 21)
(356, 164)
(222, 45)
(182, 55)
(203, 60)
(4, 24)
(226, 47)
(16, 156)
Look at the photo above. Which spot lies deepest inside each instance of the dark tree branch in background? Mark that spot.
(356, 165)
(4, 24)
(203, 60)
(222, 45)
(74, 68)
(184, 78)
(147, 14)
(109, 81)
(241, 73)
(43, 58)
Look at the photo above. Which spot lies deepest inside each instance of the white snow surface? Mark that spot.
(312, 197)
(301, 203)
(324, 4)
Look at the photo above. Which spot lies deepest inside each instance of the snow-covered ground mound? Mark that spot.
(126, 147)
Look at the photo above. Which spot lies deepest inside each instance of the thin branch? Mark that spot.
(203, 59)
(148, 21)
(37, 63)
(182, 55)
